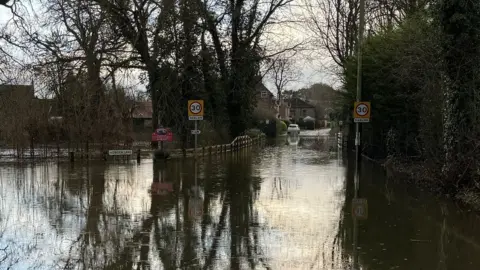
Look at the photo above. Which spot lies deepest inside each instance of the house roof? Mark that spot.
(299, 103)
(260, 87)
(142, 110)
(17, 90)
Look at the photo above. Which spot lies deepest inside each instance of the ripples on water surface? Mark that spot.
(282, 208)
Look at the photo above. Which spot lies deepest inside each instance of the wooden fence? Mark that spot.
(237, 144)
(48, 152)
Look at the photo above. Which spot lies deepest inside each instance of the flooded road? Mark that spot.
(282, 207)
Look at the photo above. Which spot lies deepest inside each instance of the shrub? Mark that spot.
(281, 127)
(254, 132)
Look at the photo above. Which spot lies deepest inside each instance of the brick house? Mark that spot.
(266, 101)
(142, 115)
(299, 109)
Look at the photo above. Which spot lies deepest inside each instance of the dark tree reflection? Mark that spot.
(193, 224)
(187, 221)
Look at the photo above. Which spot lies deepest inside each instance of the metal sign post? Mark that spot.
(196, 135)
(195, 113)
(361, 112)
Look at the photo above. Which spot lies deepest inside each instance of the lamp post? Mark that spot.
(357, 127)
(359, 91)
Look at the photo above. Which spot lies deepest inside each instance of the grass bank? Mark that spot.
(428, 176)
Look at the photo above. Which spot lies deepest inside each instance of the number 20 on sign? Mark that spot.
(361, 112)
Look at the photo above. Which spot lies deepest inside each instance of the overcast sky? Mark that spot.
(312, 67)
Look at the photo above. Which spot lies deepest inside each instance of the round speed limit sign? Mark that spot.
(195, 108)
(362, 109)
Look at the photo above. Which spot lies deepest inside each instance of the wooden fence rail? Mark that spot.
(237, 144)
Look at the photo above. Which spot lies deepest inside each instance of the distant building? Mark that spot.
(284, 109)
(17, 92)
(300, 109)
(266, 101)
(142, 115)
(16, 99)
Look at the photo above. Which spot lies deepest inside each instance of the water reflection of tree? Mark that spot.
(342, 244)
(182, 242)
(241, 191)
(157, 222)
(387, 231)
(110, 239)
(411, 232)
(15, 183)
(85, 250)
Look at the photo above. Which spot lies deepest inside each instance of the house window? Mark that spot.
(263, 94)
(304, 112)
(292, 112)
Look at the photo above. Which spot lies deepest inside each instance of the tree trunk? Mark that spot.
(154, 80)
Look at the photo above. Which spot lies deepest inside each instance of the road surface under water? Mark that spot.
(283, 207)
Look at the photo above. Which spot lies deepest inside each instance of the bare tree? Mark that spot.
(282, 73)
(78, 44)
(146, 25)
(335, 23)
(9, 42)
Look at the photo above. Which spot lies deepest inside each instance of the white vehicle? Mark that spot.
(293, 128)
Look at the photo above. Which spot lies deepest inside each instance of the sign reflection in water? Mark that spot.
(101, 216)
(195, 204)
(160, 186)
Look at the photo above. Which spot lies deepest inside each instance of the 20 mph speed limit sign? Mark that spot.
(195, 110)
(361, 112)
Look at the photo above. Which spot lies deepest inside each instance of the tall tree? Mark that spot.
(282, 73)
(334, 23)
(242, 24)
(78, 36)
(461, 47)
(147, 26)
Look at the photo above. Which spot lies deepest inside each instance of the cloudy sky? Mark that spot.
(313, 66)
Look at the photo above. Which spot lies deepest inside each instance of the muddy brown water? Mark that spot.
(283, 207)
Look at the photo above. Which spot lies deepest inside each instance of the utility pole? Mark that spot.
(359, 91)
(357, 130)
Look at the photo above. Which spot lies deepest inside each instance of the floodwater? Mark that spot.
(282, 207)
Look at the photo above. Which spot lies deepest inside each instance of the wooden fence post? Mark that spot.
(72, 156)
